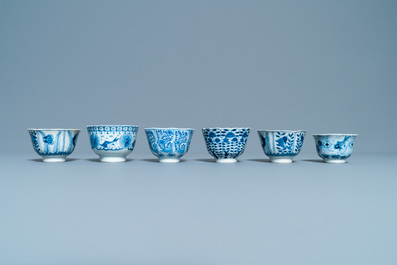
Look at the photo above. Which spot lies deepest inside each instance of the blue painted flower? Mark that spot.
(48, 139)
(282, 142)
(125, 141)
(338, 146)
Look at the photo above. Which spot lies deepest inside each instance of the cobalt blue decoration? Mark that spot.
(54, 145)
(334, 148)
(169, 144)
(112, 142)
(281, 145)
(225, 144)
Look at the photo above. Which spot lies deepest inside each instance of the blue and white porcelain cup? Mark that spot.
(225, 144)
(169, 144)
(54, 145)
(112, 143)
(281, 146)
(334, 147)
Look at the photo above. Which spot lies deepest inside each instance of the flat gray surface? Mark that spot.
(320, 66)
(197, 211)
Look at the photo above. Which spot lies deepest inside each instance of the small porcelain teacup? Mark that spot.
(334, 147)
(112, 142)
(281, 146)
(169, 144)
(225, 144)
(54, 145)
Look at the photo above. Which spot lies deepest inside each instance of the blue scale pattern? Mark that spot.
(225, 143)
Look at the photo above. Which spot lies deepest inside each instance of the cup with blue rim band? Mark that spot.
(112, 143)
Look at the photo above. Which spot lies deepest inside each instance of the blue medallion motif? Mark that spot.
(225, 143)
(334, 146)
(169, 142)
(48, 139)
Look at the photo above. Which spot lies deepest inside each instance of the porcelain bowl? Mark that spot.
(334, 147)
(169, 144)
(112, 143)
(54, 145)
(281, 146)
(225, 144)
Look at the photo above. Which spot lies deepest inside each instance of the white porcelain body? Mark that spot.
(334, 148)
(112, 143)
(54, 145)
(281, 146)
(169, 144)
(226, 144)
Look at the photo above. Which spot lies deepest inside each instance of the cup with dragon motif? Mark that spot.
(112, 143)
(54, 145)
(281, 146)
(225, 144)
(169, 144)
(334, 147)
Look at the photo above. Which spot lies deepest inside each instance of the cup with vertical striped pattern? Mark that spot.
(54, 145)
(281, 146)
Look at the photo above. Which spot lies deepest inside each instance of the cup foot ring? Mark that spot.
(54, 159)
(226, 160)
(112, 159)
(281, 160)
(169, 160)
(334, 161)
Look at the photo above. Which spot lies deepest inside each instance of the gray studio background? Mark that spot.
(324, 66)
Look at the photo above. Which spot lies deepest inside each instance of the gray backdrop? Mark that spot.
(324, 66)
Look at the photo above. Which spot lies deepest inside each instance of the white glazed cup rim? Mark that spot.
(170, 128)
(281, 130)
(335, 134)
(46, 129)
(226, 128)
(106, 125)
